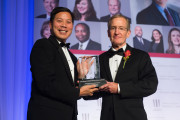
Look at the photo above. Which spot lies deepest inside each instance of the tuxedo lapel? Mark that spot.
(74, 59)
(130, 57)
(107, 68)
(121, 69)
(54, 41)
(65, 64)
(62, 55)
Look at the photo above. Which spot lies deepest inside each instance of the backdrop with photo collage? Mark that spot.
(157, 107)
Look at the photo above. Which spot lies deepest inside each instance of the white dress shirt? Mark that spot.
(114, 63)
(69, 60)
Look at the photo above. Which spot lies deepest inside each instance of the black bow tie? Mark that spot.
(118, 52)
(62, 44)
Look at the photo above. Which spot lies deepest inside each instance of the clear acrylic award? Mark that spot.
(93, 76)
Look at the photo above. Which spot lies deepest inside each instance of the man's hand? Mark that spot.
(84, 66)
(111, 87)
(88, 90)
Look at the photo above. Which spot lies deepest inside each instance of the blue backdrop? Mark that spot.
(16, 40)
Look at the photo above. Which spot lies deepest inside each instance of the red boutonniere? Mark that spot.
(126, 57)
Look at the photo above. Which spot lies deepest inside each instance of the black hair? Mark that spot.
(60, 9)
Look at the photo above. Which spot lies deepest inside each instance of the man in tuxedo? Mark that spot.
(114, 8)
(82, 33)
(138, 41)
(130, 75)
(158, 14)
(54, 93)
(49, 5)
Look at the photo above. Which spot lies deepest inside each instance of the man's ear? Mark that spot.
(128, 33)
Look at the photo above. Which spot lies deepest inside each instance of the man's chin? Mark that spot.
(61, 39)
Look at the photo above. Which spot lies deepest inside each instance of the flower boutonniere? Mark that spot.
(126, 56)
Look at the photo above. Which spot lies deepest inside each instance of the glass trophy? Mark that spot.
(93, 76)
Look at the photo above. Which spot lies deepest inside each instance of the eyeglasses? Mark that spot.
(119, 28)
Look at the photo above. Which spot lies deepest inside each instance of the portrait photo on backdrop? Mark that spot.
(174, 41)
(84, 11)
(114, 7)
(158, 13)
(82, 33)
(138, 41)
(45, 29)
(156, 45)
(49, 5)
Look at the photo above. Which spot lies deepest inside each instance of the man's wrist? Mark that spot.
(81, 77)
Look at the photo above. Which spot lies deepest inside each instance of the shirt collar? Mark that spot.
(84, 43)
(124, 48)
(59, 41)
(161, 9)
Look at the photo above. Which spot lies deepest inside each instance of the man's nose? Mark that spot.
(63, 24)
(80, 34)
(117, 31)
(51, 4)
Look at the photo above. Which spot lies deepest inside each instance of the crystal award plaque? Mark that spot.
(93, 76)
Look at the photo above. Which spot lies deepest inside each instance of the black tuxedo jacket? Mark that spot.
(92, 45)
(53, 95)
(140, 46)
(107, 17)
(152, 16)
(138, 79)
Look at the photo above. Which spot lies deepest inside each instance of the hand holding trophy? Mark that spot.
(84, 66)
(89, 71)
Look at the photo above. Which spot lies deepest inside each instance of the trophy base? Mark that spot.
(97, 82)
